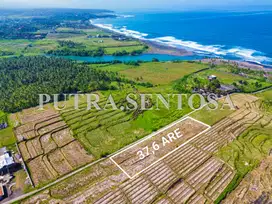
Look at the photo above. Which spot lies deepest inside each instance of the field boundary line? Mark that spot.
(155, 133)
(144, 138)
(25, 166)
(24, 196)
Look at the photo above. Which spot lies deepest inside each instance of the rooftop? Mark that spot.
(5, 158)
(1, 191)
(3, 151)
(211, 77)
(225, 87)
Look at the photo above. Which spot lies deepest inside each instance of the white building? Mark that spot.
(212, 77)
(5, 158)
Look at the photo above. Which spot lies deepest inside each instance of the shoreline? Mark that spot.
(154, 47)
(238, 63)
(159, 48)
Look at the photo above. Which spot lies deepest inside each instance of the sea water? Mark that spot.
(243, 35)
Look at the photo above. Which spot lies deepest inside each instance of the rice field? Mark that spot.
(192, 174)
(47, 145)
(157, 146)
(15, 46)
(103, 132)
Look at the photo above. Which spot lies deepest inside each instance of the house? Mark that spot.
(227, 88)
(3, 151)
(3, 126)
(2, 192)
(119, 37)
(212, 77)
(6, 160)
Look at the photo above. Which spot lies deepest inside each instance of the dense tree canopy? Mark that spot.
(77, 52)
(22, 79)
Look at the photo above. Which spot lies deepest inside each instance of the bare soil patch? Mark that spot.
(159, 145)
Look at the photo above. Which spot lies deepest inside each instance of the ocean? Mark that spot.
(235, 35)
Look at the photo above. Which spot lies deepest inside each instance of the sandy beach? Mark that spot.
(240, 64)
(157, 48)
(154, 47)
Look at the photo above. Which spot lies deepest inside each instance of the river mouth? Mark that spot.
(143, 57)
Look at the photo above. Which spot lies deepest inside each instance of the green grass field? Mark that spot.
(266, 95)
(112, 67)
(94, 32)
(209, 116)
(160, 72)
(91, 31)
(7, 137)
(224, 77)
(2, 114)
(245, 83)
(15, 46)
(41, 46)
(37, 47)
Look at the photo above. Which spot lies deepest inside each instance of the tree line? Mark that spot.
(99, 52)
(70, 44)
(23, 78)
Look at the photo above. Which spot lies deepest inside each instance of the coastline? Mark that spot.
(154, 47)
(158, 48)
(238, 63)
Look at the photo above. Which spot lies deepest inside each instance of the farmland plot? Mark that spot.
(191, 174)
(145, 153)
(48, 146)
(255, 187)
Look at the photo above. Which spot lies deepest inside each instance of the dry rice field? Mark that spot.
(129, 159)
(256, 186)
(47, 145)
(192, 174)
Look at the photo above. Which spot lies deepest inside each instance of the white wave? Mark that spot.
(218, 50)
(122, 31)
(249, 55)
(215, 50)
(123, 16)
(242, 52)
(127, 16)
(172, 41)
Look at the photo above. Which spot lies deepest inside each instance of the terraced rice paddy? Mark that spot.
(93, 127)
(192, 174)
(256, 187)
(48, 147)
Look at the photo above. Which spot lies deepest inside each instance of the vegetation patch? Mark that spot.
(223, 79)
(161, 73)
(25, 77)
(6, 134)
(246, 152)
